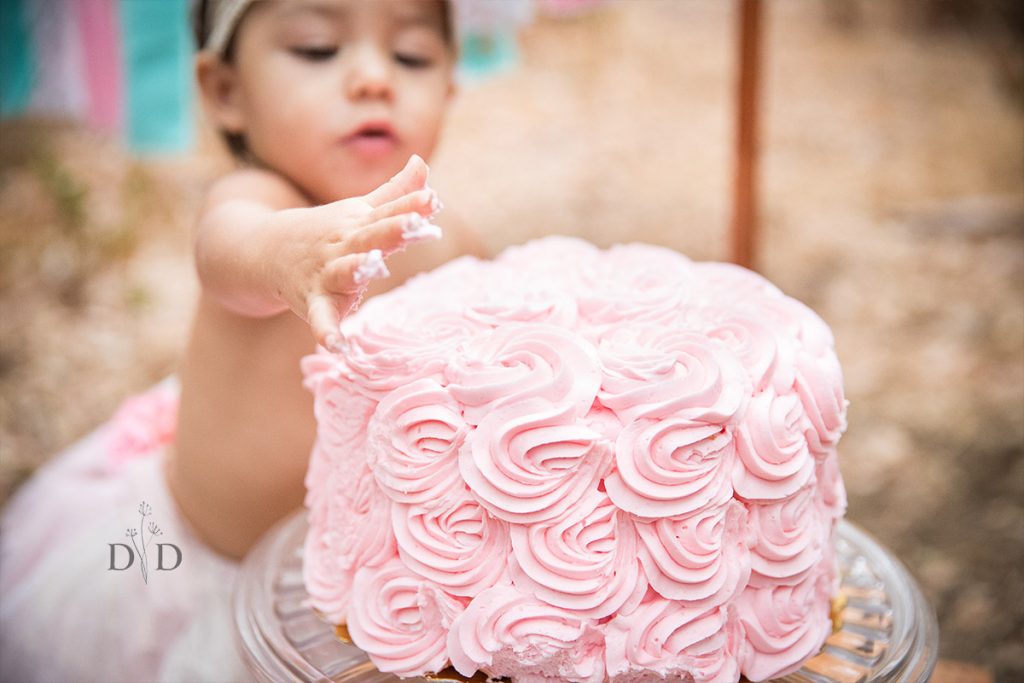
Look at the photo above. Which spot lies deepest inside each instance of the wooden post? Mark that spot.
(744, 216)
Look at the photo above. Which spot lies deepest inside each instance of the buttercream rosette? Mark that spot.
(578, 465)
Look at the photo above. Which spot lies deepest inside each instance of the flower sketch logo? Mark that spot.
(139, 548)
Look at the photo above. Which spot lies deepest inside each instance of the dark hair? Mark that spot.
(202, 26)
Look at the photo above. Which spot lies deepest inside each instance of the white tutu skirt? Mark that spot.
(74, 604)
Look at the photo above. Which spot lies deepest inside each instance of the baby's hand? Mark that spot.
(335, 250)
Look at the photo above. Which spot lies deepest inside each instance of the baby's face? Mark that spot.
(337, 94)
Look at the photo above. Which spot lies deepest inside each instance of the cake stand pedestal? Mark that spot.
(888, 631)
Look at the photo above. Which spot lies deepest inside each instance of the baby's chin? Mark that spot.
(354, 180)
(325, 193)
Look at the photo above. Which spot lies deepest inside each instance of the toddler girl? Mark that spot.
(118, 559)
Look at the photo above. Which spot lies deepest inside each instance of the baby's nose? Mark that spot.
(369, 74)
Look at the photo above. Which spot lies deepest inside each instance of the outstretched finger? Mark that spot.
(393, 233)
(350, 275)
(424, 202)
(411, 178)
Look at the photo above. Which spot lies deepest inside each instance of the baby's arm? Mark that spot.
(261, 249)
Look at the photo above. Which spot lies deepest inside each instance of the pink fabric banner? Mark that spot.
(101, 55)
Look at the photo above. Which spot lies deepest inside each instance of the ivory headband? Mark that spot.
(463, 15)
(226, 14)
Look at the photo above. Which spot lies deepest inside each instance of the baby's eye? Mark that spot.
(315, 54)
(412, 61)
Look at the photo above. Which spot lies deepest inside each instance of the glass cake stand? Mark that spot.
(888, 631)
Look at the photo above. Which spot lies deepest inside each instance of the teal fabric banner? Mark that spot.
(485, 54)
(157, 75)
(16, 63)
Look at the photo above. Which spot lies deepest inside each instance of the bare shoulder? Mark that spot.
(254, 184)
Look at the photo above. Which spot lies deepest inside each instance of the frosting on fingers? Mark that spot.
(419, 229)
(372, 268)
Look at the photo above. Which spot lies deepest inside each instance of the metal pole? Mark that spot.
(744, 218)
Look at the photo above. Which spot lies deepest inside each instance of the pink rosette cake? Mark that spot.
(578, 465)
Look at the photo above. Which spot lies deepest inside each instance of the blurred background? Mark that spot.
(891, 201)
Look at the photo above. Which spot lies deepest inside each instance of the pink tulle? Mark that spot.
(65, 613)
(142, 425)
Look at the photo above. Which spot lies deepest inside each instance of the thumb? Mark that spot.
(325, 320)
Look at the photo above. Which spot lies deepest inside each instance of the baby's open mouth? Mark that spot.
(373, 138)
(375, 133)
(372, 130)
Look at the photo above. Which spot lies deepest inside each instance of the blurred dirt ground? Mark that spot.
(892, 198)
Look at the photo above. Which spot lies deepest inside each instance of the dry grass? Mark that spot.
(893, 203)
